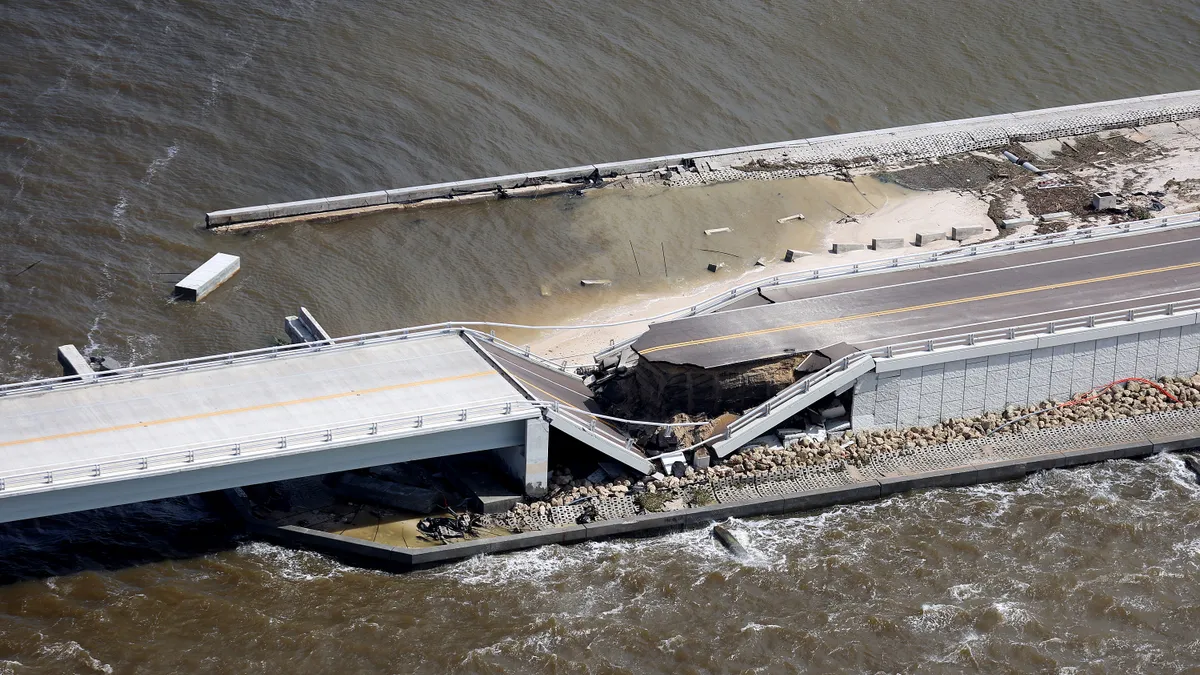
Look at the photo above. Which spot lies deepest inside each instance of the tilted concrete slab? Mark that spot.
(787, 404)
(546, 383)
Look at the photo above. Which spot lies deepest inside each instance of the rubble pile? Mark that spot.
(837, 451)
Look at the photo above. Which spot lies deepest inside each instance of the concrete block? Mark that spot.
(845, 247)
(73, 363)
(925, 238)
(240, 215)
(1016, 222)
(962, 233)
(793, 255)
(1103, 201)
(207, 277)
(1051, 217)
(887, 243)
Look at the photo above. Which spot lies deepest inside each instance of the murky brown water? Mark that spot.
(122, 122)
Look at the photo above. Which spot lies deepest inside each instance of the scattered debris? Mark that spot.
(798, 216)
(713, 250)
(727, 540)
(1193, 465)
(595, 282)
(713, 267)
(207, 277)
(1011, 223)
(717, 230)
(792, 254)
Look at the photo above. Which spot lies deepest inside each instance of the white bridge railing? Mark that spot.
(1044, 328)
(182, 457)
(267, 353)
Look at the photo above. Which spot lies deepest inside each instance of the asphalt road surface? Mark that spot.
(992, 292)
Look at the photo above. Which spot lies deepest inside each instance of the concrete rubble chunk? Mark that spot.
(845, 247)
(207, 277)
(713, 267)
(966, 232)
(72, 362)
(924, 238)
(1016, 222)
(793, 254)
(1103, 201)
(717, 230)
(880, 244)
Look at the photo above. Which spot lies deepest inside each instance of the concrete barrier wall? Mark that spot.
(924, 388)
(806, 156)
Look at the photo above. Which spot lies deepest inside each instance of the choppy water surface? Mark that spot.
(1090, 570)
(121, 122)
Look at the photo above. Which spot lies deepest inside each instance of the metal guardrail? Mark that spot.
(1044, 328)
(292, 442)
(267, 353)
(1007, 245)
(797, 388)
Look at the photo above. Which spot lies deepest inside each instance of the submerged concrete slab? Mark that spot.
(206, 278)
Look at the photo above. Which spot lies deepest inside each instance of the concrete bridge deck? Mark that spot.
(166, 430)
(865, 311)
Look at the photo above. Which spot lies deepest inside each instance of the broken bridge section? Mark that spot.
(544, 381)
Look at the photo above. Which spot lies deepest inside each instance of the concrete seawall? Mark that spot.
(982, 460)
(923, 388)
(772, 160)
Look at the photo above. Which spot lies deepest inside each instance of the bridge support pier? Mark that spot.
(529, 463)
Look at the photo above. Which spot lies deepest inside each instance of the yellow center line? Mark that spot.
(252, 408)
(917, 308)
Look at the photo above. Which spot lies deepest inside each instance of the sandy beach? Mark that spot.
(1160, 160)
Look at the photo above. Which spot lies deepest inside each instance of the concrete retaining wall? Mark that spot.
(962, 463)
(800, 157)
(921, 389)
